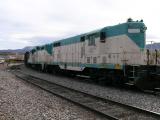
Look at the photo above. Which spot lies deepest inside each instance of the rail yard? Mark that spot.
(29, 94)
(114, 54)
(79, 60)
(103, 74)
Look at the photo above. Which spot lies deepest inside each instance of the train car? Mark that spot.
(114, 54)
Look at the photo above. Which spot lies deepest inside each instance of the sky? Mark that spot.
(36, 22)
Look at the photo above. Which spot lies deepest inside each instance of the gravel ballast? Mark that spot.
(22, 101)
(138, 99)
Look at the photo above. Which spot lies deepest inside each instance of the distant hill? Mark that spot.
(23, 50)
(28, 48)
(153, 46)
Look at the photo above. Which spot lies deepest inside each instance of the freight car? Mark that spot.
(114, 54)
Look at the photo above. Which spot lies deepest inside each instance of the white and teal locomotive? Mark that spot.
(114, 54)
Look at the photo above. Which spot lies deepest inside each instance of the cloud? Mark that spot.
(28, 22)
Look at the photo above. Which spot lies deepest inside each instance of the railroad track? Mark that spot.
(110, 109)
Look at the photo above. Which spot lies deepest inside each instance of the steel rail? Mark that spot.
(129, 107)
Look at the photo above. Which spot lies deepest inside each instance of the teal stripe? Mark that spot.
(107, 66)
(122, 29)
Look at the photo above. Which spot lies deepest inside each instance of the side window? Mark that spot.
(88, 59)
(42, 48)
(37, 48)
(56, 44)
(94, 59)
(82, 38)
(104, 59)
(102, 36)
(109, 55)
(91, 40)
(82, 52)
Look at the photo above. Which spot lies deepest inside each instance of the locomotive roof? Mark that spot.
(109, 30)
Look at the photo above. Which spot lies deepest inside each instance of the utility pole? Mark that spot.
(151, 53)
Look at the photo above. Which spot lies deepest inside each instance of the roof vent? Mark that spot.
(129, 20)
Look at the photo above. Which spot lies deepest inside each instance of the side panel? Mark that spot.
(69, 56)
(120, 50)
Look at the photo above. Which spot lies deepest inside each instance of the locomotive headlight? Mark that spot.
(143, 29)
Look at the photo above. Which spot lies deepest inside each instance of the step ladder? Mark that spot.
(133, 76)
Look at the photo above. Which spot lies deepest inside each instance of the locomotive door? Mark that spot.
(82, 53)
(91, 49)
(57, 52)
(59, 55)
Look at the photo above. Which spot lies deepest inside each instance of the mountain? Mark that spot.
(23, 50)
(153, 46)
(28, 48)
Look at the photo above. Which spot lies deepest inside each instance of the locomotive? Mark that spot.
(114, 54)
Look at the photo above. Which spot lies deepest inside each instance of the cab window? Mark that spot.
(91, 40)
